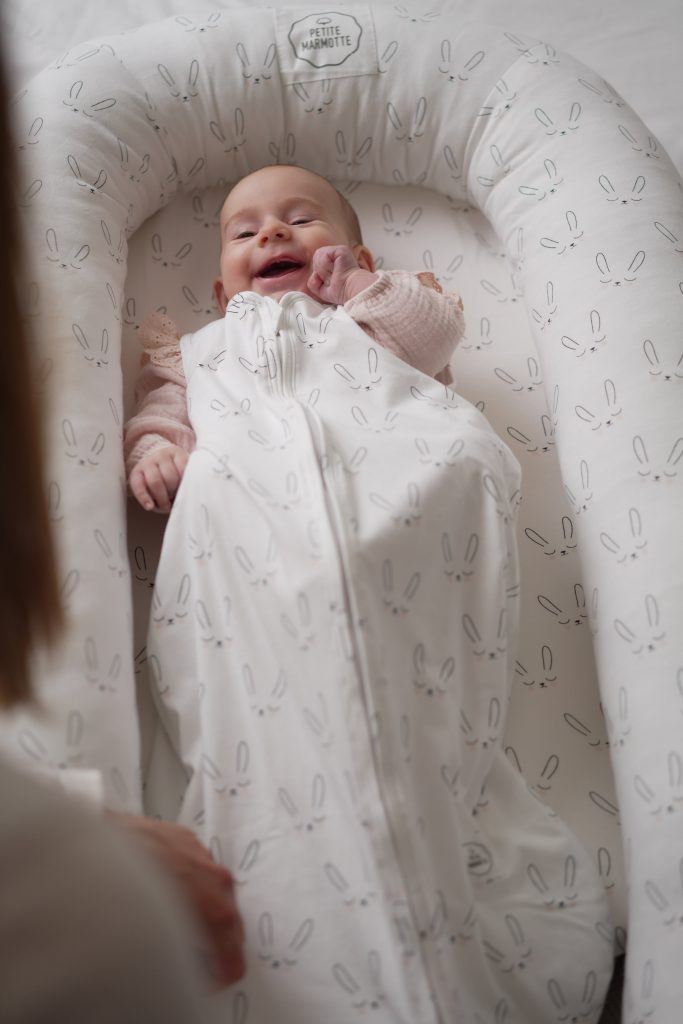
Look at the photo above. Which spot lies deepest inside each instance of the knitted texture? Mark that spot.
(411, 316)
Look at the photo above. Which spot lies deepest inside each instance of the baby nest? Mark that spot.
(523, 181)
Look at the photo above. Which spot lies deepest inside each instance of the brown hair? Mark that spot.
(29, 597)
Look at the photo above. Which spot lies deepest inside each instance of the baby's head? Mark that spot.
(271, 224)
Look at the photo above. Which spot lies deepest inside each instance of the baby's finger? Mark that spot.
(323, 260)
(170, 475)
(315, 282)
(139, 489)
(157, 487)
(180, 457)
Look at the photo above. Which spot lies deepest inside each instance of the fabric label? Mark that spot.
(314, 44)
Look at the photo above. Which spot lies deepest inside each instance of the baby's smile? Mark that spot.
(284, 271)
(280, 273)
(280, 266)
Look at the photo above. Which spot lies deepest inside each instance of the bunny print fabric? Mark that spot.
(332, 642)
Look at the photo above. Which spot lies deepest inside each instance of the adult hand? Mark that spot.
(208, 887)
(336, 276)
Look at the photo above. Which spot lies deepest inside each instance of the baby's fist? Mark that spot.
(336, 276)
(156, 478)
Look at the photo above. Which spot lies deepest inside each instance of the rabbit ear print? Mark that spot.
(549, 769)
(373, 361)
(300, 938)
(346, 981)
(673, 458)
(168, 79)
(470, 629)
(265, 931)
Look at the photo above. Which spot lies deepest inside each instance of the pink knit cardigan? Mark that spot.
(407, 313)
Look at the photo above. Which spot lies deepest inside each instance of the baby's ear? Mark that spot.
(219, 292)
(364, 257)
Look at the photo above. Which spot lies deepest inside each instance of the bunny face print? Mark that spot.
(272, 223)
(254, 608)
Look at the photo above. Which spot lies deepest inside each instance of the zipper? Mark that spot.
(388, 792)
(390, 858)
(283, 383)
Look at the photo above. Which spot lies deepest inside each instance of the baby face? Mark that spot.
(271, 224)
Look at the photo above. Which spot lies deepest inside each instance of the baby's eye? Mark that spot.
(302, 220)
(245, 234)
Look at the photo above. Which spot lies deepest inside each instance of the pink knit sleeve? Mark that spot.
(161, 409)
(410, 315)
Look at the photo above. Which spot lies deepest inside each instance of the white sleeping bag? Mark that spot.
(337, 691)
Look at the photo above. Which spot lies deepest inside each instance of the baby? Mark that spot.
(284, 229)
(332, 638)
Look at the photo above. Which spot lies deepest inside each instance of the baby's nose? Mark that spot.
(274, 230)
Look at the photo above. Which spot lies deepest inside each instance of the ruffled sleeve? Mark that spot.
(160, 395)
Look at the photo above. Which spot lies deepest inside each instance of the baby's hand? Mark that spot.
(336, 276)
(156, 478)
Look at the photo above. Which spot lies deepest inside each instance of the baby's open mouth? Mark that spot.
(278, 268)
